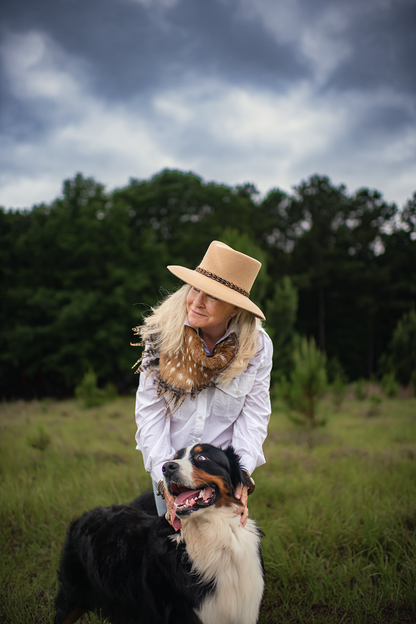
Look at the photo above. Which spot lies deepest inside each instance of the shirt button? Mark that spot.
(201, 417)
(238, 392)
(196, 439)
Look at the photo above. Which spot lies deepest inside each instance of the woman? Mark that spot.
(205, 371)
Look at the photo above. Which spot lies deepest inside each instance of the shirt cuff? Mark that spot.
(156, 472)
(248, 463)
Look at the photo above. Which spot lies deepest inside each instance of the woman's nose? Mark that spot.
(200, 299)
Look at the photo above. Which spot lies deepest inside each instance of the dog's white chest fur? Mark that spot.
(221, 549)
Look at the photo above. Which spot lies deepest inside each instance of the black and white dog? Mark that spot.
(132, 568)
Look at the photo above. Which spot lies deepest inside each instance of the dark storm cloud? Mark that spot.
(131, 47)
(382, 41)
(382, 121)
(239, 48)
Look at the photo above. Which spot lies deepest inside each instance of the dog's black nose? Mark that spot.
(170, 468)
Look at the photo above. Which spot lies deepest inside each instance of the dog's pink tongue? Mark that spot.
(187, 497)
(176, 523)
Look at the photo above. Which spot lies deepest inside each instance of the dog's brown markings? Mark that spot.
(197, 449)
(202, 478)
(74, 616)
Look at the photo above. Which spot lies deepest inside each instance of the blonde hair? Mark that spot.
(165, 328)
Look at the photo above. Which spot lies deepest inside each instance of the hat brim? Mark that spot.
(216, 289)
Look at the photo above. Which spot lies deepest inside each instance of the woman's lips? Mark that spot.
(197, 313)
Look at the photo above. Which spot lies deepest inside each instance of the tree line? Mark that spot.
(77, 274)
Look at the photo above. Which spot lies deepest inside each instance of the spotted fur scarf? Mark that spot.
(188, 373)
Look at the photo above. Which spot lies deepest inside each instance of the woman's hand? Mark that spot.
(241, 494)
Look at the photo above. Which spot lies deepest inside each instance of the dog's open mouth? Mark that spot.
(187, 501)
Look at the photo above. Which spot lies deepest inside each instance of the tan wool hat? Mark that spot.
(225, 274)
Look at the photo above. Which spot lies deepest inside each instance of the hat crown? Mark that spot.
(231, 265)
(225, 274)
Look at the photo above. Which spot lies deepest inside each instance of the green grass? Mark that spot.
(337, 505)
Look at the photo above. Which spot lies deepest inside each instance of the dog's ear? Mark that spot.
(237, 475)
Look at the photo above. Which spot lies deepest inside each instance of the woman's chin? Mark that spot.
(196, 320)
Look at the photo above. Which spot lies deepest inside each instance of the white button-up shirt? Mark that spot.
(236, 414)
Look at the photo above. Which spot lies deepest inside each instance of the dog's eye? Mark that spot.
(201, 457)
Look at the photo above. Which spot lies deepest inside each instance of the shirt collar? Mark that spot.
(231, 329)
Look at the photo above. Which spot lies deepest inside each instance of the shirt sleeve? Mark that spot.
(153, 427)
(250, 428)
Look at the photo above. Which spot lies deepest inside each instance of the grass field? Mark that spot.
(337, 505)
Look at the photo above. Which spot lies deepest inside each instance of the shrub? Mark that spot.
(339, 390)
(41, 439)
(335, 369)
(361, 390)
(413, 381)
(401, 355)
(389, 385)
(375, 405)
(90, 395)
(308, 380)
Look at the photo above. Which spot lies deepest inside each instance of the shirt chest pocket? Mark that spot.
(229, 400)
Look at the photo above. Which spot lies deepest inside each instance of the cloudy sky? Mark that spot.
(263, 91)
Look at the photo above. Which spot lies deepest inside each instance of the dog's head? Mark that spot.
(200, 476)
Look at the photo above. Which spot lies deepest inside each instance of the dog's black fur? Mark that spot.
(122, 563)
(118, 561)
